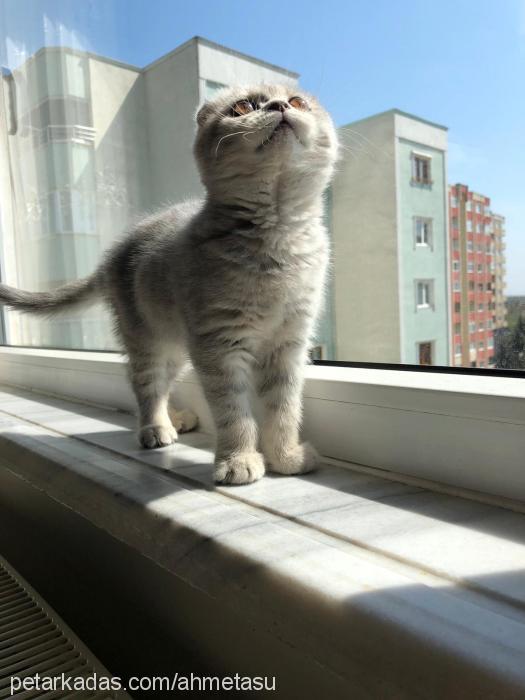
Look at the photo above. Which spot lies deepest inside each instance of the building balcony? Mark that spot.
(61, 133)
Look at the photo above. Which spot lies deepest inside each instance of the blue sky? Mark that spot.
(460, 63)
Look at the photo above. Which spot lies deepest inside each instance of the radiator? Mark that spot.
(34, 640)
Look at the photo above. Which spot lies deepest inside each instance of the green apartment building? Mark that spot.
(389, 294)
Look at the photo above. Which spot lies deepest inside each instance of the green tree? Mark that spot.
(510, 347)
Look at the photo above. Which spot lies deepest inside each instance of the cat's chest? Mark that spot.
(266, 281)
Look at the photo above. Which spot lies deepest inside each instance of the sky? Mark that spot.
(460, 63)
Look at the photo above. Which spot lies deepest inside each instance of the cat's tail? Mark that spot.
(48, 303)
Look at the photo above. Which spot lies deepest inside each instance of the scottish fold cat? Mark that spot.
(232, 282)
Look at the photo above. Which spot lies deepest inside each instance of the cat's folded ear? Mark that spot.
(203, 113)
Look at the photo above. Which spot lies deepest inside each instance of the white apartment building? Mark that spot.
(86, 145)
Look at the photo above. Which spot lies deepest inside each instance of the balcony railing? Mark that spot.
(60, 133)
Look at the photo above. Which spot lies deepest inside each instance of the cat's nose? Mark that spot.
(277, 106)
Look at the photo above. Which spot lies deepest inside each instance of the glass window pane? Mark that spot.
(97, 127)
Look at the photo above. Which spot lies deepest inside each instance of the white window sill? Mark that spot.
(464, 431)
(383, 589)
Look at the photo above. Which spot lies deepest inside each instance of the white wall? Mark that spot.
(172, 97)
(365, 274)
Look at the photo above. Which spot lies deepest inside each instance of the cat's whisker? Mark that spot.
(364, 141)
(235, 133)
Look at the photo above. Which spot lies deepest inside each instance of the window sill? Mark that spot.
(362, 578)
(464, 431)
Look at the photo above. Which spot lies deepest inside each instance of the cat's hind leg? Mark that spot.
(183, 420)
(151, 381)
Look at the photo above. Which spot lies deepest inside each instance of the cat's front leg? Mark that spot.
(280, 388)
(226, 384)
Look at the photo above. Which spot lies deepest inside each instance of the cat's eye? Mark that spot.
(242, 107)
(299, 103)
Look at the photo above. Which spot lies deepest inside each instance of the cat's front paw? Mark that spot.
(152, 436)
(239, 469)
(298, 460)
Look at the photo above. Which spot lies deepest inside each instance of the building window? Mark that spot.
(421, 169)
(211, 88)
(455, 244)
(455, 222)
(424, 294)
(455, 265)
(470, 246)
(472, 345)
(457, 286)
(480, 307)
(468, 205)
(471, 306)
(457, 328)
(469, 225)
(457, 307)
(453, 201)
(424, 351)
(481, 345)
(470, 266)
(457, 349)
(490, 343)
(481, 327)
(423, 231)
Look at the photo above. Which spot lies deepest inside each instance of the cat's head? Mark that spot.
(251, 133)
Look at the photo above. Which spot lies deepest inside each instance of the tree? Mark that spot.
(510, 346)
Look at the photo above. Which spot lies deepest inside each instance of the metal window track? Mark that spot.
(34, 640)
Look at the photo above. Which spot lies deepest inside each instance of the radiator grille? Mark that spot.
(33, 640)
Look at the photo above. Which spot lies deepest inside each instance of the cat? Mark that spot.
(233, 282)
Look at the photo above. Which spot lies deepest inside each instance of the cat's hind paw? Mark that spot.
(239, 469)
(183, 421)
(299, 460)
(152, 436)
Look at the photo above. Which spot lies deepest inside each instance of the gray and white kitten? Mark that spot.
(233, 282)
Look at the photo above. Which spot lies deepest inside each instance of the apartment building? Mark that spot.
(86, 145)
(499, 272)
(477, 277)
(390, 241)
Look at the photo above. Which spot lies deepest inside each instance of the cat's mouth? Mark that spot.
(281, 128)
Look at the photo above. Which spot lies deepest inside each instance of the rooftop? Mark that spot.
(399, 112)
(194, 40)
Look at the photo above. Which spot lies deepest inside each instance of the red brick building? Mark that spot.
(476, 284)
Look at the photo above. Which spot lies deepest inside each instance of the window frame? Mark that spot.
(426, 223)
(418, 178)
(346, 406)
(432, 352)
(430, 296)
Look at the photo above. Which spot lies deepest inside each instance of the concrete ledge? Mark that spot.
(381, 589)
